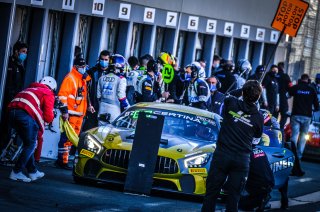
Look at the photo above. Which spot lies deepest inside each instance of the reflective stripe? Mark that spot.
(72, 97)
(32, 108)
(33, 96)
(74, 81)
(63, 97)
(72, 112)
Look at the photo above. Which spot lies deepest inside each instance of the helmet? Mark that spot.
(50, 82)
(260, 68)
(166, 58)
(152, 66)
(194, 70)
(202, 73)
(244, 65)
(118, 62)
(228, 65)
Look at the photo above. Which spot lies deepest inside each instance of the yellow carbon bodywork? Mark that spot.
(112, 140)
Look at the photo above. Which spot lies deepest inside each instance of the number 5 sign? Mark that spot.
(98, 7)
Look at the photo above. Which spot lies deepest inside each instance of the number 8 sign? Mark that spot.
(149, 14)
(167, 73)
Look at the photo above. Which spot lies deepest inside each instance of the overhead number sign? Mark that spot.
(171, 19)
(167, 73)
(289, 16)
(193, 22)
(68, 4)
(245, 31)
(37, 2)
(149, 14)
(211, 26)
(98, 7)
(228, 28)
(124, 11)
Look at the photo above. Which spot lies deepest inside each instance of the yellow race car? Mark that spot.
(183, 160)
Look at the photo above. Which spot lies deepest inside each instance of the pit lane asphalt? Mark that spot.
(57, 192)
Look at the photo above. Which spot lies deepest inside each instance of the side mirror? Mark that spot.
(105, 117)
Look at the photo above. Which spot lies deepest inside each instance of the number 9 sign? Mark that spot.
(167, 73)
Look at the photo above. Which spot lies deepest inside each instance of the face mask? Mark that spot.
(213, 87)
(82, 70)
(104, 63)
(22, 57)
(216, 65)
(187, 77)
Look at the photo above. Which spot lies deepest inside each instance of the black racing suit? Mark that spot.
(95, 73)
(270, 83)
(242, 123)
(176, 88)
(14, 84)
(284, 84)
(260, 182)
(215, 102)
(150, 90)
(227, 80)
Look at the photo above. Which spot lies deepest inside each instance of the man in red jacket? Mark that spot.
(28, 112)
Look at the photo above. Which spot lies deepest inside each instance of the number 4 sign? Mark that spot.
(228, 28)
(98, 7)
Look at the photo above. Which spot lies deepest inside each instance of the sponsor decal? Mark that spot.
(87, 153)
(198, 119)
(239, 116)
(197, 170)
(282, 164)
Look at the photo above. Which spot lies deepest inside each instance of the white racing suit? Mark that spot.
(111, 93)
(198, 94)
(132, 86)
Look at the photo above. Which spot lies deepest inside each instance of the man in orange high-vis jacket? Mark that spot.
(74, 94)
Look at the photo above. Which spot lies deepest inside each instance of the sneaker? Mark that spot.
(62, 165)
(19, 177)
(35, 176)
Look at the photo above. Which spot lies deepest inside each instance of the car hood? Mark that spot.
(177, 146)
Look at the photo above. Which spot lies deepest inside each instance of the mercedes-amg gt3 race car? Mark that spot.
(183, 160)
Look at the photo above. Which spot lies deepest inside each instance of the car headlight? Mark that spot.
(92, 144)
(307, 137)
(196, 161)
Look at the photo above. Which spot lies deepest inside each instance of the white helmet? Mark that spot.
(49, 81)
(202, 72)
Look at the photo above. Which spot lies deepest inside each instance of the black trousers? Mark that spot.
(225, 165)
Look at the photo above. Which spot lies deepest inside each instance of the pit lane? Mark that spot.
(57, 192)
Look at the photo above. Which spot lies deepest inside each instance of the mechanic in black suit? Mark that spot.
(241, 127)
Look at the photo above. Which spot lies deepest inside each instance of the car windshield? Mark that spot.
(175, 123)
